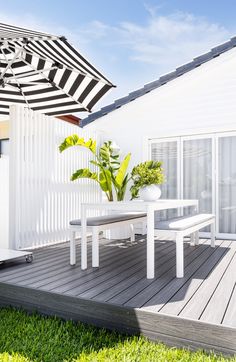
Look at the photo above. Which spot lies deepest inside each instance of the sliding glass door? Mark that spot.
(197, 171)
(226, 190)
(203, 168)
(167, 151)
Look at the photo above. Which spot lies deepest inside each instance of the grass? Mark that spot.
(33, 338)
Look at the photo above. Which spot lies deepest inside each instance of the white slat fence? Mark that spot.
(4, 200)
(42, 197)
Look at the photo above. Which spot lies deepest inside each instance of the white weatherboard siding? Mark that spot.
(199, 105)
(201, 101)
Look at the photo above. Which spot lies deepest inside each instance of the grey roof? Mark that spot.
(196, 62)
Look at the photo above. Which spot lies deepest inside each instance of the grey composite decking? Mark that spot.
(197, 311)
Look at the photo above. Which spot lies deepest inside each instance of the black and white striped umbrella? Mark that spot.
(46, 74)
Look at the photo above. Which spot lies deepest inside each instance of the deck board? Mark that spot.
(178, 292)
(215, 311)
(230, 315)
(123, 283)
(110, 266)
(180, 312)
(166, 275)
(196, 306)
(113, 278)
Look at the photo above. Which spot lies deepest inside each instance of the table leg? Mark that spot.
(150, 244)
(83, 238)
(72, 248)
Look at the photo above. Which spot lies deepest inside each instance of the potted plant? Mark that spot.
(109, 171)
(146, 177)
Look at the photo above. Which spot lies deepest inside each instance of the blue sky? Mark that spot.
(131, 41)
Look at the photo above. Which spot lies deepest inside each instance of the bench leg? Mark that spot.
(72, 249)
(213, 235)
(95, 248)
(192, 239)
(144, 227)
(179, 256)
(197, 238)
(132, 235)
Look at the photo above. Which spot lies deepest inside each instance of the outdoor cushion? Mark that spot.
(108, 219)
(183, 222)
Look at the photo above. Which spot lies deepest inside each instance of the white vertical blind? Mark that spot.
(167, 153)
(197, 172)
(42, 197)
(227, 184)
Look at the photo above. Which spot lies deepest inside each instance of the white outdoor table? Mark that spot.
(147, 207)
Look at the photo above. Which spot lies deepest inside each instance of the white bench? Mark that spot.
(102, 223)
(178, 228)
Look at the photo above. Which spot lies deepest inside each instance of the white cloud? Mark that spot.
(131, 54)
(171, 39)
(136, 54)
(174, 38)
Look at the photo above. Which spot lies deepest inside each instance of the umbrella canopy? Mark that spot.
(46, 74)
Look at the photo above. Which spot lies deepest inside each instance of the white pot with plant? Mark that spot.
(147, 177)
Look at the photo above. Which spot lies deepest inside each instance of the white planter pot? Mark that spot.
(150, 193)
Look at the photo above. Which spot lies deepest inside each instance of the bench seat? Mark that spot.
(101, 223)
(184, 222)
(108, 219)
(179, 227)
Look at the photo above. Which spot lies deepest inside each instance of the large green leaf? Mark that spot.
(105, 180)
(84, 173)
(75, 140)
(95, 163)
(104, 153)
(122, 190)
(121, 174)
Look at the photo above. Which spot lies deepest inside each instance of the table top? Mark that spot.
(161, 204)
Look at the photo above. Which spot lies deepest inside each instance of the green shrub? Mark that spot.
(144, 174)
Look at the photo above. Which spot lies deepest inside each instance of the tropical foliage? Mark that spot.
(144, 174)
(110, 172)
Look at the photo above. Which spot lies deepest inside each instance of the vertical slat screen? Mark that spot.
(4, 197)
(42, 197)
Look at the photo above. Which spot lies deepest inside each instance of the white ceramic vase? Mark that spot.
(150, 193)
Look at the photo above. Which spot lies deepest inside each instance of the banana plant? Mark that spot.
(122, 178)
(112, 173)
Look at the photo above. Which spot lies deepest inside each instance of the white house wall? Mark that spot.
(203, 100)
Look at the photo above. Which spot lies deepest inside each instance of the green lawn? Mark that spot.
(25, 338)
